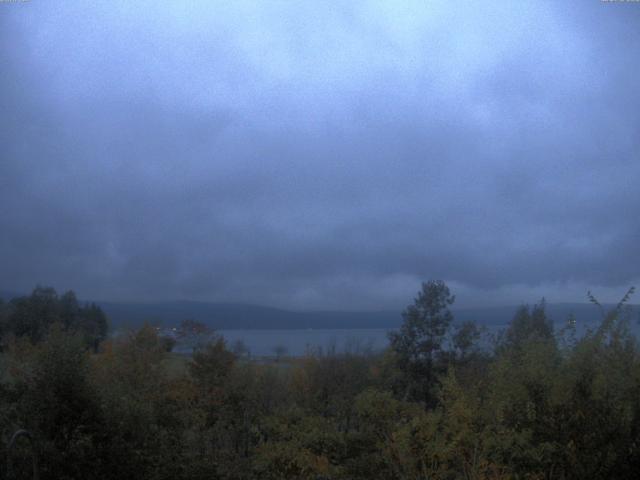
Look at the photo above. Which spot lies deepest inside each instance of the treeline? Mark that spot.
(538, 404)
(31, 317)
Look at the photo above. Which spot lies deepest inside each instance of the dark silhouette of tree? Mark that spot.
(532, 408)
(280, 351)
(528, 325)
(418, 345)
(240, 349)
(32, 317)
(465, 339)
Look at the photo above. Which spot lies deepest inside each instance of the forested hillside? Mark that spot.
(239, 316)
(542, 404)
(222, 316)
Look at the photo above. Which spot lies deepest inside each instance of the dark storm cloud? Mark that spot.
(319, 157)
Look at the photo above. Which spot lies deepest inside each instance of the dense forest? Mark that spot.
(436, 404)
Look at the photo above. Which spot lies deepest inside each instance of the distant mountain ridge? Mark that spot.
(242, 316)
(238, 316)
(227, 316)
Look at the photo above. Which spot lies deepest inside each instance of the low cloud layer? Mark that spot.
(320, 157)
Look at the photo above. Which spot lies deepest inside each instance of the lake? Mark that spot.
(297, 342)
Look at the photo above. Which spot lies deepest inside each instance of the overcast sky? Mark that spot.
(320, 155)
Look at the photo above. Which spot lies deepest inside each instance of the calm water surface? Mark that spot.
(298, 342)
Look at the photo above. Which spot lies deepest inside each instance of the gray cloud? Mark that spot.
(315, 157)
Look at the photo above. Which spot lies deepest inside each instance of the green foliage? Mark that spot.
(528, 325)
(32, 316)
(211, 366)
(428, 342)
(535, 408)
(54, 399)
(465, 339)
(326, 383)
(418, 346)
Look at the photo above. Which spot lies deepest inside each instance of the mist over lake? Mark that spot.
(296, 342)
(299, 342)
